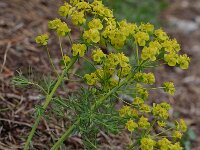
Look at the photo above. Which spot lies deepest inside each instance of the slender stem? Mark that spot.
(37, 85)
(101, 100)
(70, 39)
(151, 127)
(32, 132)
(65, 135)
(61, 49)
(163, 132)
(51, 62)
(123, 100)
(48, 99)
(133, 145)
(60, 44)
(137, 54)
(87, 60)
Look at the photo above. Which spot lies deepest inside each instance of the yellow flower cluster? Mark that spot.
(182, 126)
(169, 87)
(158, 44)
(143, 123)
(65, 10)
(79, 49)
(128, 111)
(61, 28)
(165, 144)
(95, 24)
(91, 35)
(147, 78)
(42, 39)
(151, 51)
(66, 59)
(78, 18)
(141, 38)
(131, 125)
(147, 143)
(98, 55)
(138, 101)
(103, 28)
(112, 64)
(141, 91)
(91, 78)
(138, 121)
(161, 110)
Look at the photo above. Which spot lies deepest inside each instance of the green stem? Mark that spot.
(47, 101)
(70, 39)
(51, 62)
(37, 85)
(137, 54)
(65, 135)
(32, 132)
(133, 145)
(101, 100)
(61, 49)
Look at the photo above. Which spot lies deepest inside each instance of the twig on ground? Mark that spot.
(5, 56)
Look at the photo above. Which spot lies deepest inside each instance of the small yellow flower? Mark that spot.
(42, 39)
(147, 144)
(79, 49)
(125, 110)
(66, 59)
(156, 45)
(78, 18)
(177, 134)
(63, 29)
(183, 61)
(143, 123)
(122, 59)
(91, 78)
(171, 46)
(97, 55)
(54, 24)
(83, 6)
(95, 24)
(161, 35)
(149, 53)
(145, 108)
(161, 123)
(161, 110)
(176, 146)
(146, 27)
(142, 38)
(138, 101)
(124, 71)
(148, 78)
(183, 126)
(131, 125)
(117, 38)
(91, 35)
(141, 91)
(133, 113)
(169, 87)
(74, 2)
(127, 28)
(64, 10)
(164, 144)
(171, 59)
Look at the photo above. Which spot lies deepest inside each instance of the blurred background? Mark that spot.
(21, 21)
